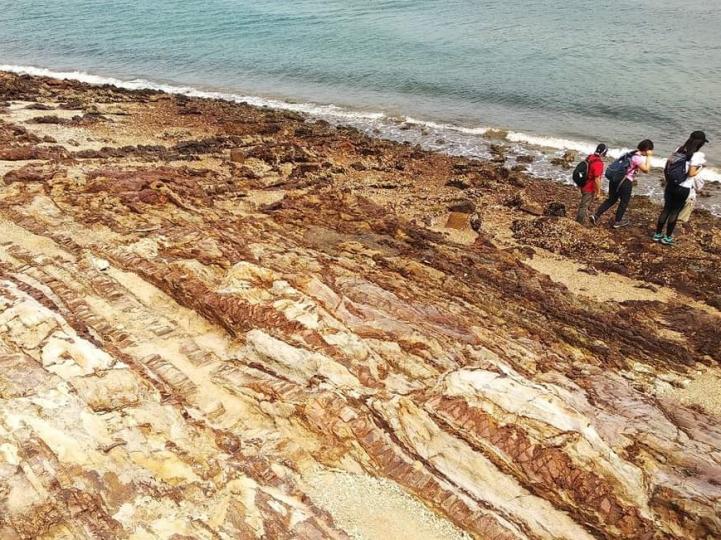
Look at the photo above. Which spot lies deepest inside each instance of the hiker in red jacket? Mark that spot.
(592, 188)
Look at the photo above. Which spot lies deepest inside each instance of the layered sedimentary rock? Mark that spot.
(224, 322)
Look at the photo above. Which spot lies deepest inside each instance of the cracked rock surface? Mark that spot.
(218, 321)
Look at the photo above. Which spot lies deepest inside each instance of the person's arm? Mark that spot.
(698, 160)
(698, 184)
(594, 175)
(646, 166)
(598, 176)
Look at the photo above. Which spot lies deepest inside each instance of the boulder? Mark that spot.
(566, 160)
(464, 206)
(499, 134)
(237, 155)
(457, 220)
(476, 221)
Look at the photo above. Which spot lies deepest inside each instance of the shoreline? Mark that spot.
(549, 152)
(221, 319)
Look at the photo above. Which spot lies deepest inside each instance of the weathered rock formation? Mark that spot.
(270, 346)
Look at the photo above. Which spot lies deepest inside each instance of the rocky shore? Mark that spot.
(219, 321)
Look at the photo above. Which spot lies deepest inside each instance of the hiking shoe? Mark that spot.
(667, 241)
(623, 223)
(657, 237)
(593, 218)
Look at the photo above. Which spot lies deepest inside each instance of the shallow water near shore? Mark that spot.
(438, 74)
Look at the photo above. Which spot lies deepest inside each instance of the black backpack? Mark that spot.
(675, 171)
(580, 173)
(617, 170)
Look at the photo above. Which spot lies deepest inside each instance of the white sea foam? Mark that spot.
(143, 84)
(330, 111)
(446, 127)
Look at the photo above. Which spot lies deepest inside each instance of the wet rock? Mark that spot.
(499, 153)
(565, 161)
(500, 134)
(525, 158)
(555, 209)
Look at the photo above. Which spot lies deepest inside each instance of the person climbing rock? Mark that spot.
(593, 176)
(621, 176)
(681, 169)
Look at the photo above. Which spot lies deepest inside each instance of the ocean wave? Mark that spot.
(445, 127)
(339, 114)
(143, 84)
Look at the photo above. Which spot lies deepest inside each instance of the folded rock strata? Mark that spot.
(187, 352)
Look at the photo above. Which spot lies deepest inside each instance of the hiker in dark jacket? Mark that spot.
(685, 163)
(621, 188)
(592, 188)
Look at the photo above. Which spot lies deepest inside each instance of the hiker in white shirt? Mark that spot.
(681, 169)
(698, 184)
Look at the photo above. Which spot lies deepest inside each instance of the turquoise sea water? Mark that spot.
(546, 70)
